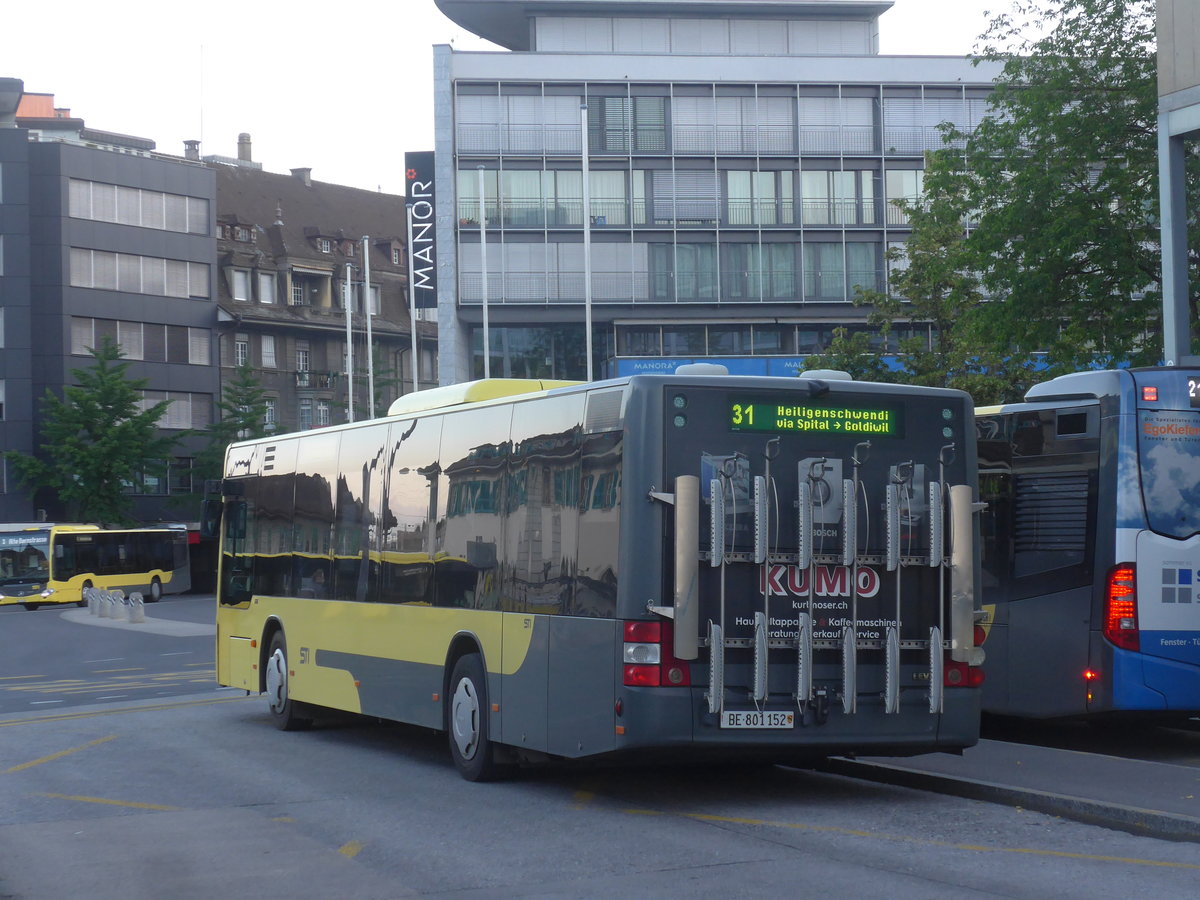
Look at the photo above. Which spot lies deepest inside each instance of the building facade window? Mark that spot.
(838, 198)
(184, 410)
(903, 186)
(324, 416)
(241, 350)
(240, 286)
(268, 351)
(324, 245)
(303, 364)
(270, 415)
(627, 125)
(759, 198)
(129, 338)
(198, 346)
(104, 270)
(101, 202)
(266, 287)
(304, 411)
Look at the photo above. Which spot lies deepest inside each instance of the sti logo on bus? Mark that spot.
(1178, 584)
(828, 581)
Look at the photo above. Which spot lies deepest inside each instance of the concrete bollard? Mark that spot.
(90, 595)
(102, 604)
(137, 608)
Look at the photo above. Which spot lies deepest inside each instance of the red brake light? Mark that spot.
(643, 632)
(1150, 394)
(980, 635)
(650, 660)
(1120, 607)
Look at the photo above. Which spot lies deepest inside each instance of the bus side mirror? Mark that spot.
(210, 519)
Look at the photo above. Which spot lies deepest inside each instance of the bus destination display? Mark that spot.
(750, 414)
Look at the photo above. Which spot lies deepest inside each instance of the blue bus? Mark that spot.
(1091, 546)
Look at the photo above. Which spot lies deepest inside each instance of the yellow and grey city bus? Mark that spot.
(690, 564)
(43, 564)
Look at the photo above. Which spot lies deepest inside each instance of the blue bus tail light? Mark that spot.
(648, 659)
(1120, 607)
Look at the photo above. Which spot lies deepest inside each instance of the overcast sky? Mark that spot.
(343, 88)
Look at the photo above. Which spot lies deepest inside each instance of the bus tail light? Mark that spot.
(1120, 607)
(959, 674)
(648, 657)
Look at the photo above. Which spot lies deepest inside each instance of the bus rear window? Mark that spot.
(1169, 451)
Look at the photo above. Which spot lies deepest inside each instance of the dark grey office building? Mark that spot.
(102, 237)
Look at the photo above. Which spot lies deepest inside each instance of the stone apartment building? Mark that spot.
(286, 246)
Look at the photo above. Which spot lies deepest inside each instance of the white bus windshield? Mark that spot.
(1169, 447)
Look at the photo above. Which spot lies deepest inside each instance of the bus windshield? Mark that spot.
(1169, 447)
(23, 556)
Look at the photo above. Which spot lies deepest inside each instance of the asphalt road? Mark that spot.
(193, 794)
(59, 657)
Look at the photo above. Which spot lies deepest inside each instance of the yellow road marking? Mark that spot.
(123, 710)
(352, 849)
(283, 819)
(977, 848)
(60, 754)
(129, 803)
(19, 677)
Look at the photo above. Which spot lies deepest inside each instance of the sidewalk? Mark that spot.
(1156, 799)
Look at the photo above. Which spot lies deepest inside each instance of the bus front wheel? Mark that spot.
(31, 606)
(286, 712)
(467, 721)
(155, 589)
(87, 585)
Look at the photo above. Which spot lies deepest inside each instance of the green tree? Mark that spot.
(95, 440)
(241, 414)
(1062, 180)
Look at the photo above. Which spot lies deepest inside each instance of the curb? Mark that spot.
(1131, 819)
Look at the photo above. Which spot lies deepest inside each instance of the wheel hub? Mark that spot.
(464, 718)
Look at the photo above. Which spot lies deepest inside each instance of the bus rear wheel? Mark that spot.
(286, 712)
(156, 591)
(467, 722)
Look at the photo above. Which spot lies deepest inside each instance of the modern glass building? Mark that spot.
(741, 159)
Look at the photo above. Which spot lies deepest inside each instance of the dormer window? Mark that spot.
(350, 249)
(241, 233)
(324, 245)
(395, 256)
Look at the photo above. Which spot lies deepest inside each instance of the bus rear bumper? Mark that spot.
(659, 717)
(1153, 683)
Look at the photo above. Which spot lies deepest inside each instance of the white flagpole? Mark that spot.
(366, 250)
(412, 301)
(487, 347)
(349, 349)
(587, 238)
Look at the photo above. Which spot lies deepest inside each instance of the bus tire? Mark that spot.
(31, 606)
(287, 714)
(468, 723)
(156, 591)
(82, 593)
